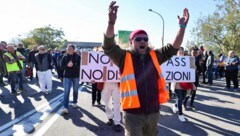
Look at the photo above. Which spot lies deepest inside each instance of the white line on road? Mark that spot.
(48, 124)
(9, 124)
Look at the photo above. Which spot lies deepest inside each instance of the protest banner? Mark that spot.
(98, 67)
(179, 69)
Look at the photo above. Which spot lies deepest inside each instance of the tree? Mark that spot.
(220, 31)
(46, 35)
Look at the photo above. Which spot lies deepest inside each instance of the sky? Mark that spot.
(86, 20)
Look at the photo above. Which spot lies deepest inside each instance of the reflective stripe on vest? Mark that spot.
(128, 88)
(127, 77)
(14, 66)
(130, 93)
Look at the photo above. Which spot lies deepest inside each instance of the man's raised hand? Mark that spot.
(184, 19)
(112, 13)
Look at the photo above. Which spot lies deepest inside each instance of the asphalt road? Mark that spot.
(33, 113)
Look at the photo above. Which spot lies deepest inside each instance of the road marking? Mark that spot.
(49, 123)
(9, 124)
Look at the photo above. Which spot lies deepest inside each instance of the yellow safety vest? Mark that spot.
(128, 86)
(14, 66)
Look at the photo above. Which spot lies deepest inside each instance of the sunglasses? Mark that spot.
(139, 39)
(41, 49)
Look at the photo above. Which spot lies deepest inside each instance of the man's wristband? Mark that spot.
(111, 23)
(183, 26)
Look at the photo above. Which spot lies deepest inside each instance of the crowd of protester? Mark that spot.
(141, 91)
(207, 66)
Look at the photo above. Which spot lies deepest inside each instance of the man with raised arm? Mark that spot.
(142, 86)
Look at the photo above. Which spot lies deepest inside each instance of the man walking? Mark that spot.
(32, 60)
(24, 52)
(142, 86)
(232, 70)
(14, 63)
(71, 66)
(44, 66)
(209, 66)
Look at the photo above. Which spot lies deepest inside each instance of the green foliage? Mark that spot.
(47, 35)
(220, 31)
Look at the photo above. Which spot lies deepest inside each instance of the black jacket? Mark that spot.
(71, 72)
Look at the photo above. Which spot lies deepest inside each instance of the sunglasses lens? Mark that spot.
(145, 39)
(139, 39)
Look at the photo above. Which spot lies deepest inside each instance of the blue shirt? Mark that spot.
(232, 60)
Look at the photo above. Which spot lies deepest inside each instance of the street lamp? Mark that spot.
(163, 24)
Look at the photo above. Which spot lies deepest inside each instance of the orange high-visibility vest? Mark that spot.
(128, 86)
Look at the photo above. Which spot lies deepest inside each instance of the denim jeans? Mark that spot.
(210, 75)
(181, 94)
(13, 78)
(67, 83)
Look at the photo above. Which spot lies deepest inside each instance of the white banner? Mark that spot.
(179, 69)
(98, 67)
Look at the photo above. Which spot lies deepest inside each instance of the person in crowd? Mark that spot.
(209, 65)
(231, 74)
(71, 65)
(32, 60)
(14, 64)
(202, 49)
(3, 69)
(51, 52)
(180, 90)
(60, 70)
(4, 45)
(220, 65)
(142, 86)
(55, 55)
(204, 67)
(198, 61)
(5, 50)
(194, 53)
(200, 56)
(24, 52)
(44, 65)
(111, 92)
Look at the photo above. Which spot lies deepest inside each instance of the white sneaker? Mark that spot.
(64, 111)
(181, 118)
(174, 108)
(74, 105)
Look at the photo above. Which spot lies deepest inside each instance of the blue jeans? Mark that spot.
(13, 78)
(181, 94)
(67, 83)
(210, 75)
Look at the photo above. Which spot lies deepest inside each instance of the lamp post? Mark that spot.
(163, 24)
